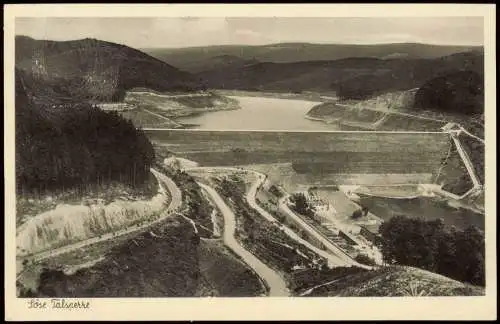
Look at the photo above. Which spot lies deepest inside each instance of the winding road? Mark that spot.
(277, 285)
(332, 248)
(333, 260)
(335, 256)
(175, 203)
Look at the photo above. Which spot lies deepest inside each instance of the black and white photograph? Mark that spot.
(232, 156)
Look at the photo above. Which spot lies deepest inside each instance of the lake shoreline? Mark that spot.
(306, 96)
(280, 113)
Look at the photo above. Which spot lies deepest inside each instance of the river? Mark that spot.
(258, 113)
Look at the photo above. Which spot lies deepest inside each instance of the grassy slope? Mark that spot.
(169, 106)
(224, 275)
(397, 281)
(145, 266)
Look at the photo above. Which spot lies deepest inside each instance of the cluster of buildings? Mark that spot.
(356, 237)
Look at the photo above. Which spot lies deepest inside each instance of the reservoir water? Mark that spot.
(259, 113)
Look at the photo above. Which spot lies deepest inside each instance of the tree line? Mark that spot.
(75, 145)
(430, 245)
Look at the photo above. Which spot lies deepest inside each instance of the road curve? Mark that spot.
(329, 245)
(332, 259)
(175, 203)
(339, 258)
(277, 286)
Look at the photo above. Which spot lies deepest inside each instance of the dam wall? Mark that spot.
(348, 154)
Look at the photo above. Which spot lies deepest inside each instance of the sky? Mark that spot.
(171, 32)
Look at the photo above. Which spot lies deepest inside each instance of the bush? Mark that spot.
(358, 213)
(364, 259)
(301, 205)
(431, 246)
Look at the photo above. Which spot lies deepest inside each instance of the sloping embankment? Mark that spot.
(177, 105)
(396, 281)
(316, 158)
(70, 223)
(150, 109)
(367, 118)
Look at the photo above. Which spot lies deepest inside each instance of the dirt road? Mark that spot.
(277, 286)
(175, 203)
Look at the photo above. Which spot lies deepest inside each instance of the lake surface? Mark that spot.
(258, 113)
(429, 208)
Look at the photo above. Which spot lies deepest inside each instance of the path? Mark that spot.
(189, 95)
(162, 117)
(471, 135)
(465, 157)
(277, 286)
(175, 203)
(333, 260)
(335, 257)
(332, 248)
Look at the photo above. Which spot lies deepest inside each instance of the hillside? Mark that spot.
(196, 59)
(396, 281)
(217, 62)
(461, 91)
(74, 146)
(94, 70)
(351, 78)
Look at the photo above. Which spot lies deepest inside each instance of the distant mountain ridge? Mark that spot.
(91, 69)
(351, 78)
(194, 59)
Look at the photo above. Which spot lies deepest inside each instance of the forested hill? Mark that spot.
(350, 78)
(459, 91)
(94, 70)
(74, 145)
(198, 59)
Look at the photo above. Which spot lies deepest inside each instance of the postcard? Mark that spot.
(244, 162)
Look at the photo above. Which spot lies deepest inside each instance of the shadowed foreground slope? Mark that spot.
(396, 281)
